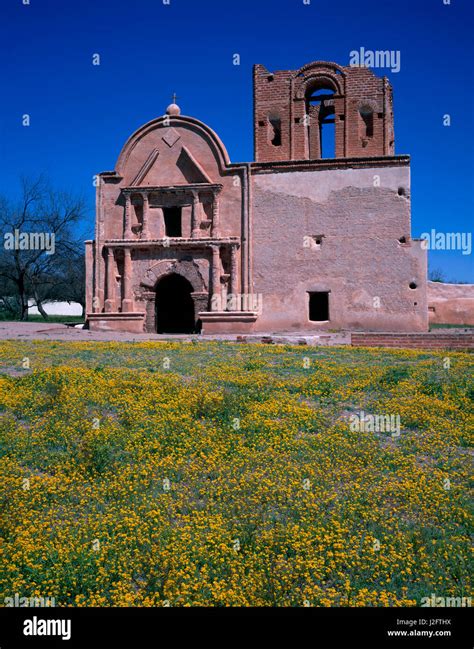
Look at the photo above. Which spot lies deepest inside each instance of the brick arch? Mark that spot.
(328, 65)
(313, 75)
(372, 104)
(315, 82)
(154, 273)
(187, 269)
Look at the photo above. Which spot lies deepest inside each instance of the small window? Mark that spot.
(172, 216)
(319, 306)
(367, 117)
(275, 131)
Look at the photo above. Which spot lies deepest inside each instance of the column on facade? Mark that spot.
(127, 226)
(215, 215)
(216, 279)
(127, 301)
(195, 216)
(110, 287)
(234, 280)
(145, 232)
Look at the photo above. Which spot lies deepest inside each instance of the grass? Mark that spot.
(219, 474)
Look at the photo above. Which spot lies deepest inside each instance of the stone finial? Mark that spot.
(173, 108)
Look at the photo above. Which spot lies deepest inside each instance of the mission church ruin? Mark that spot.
(313, 235)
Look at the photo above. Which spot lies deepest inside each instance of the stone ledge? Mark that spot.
(172, 242)
(330, 163)
(216, 322)
(116, 321)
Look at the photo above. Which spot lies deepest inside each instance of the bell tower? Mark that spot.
(322, 110)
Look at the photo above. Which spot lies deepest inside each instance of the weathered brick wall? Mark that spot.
(283, 95)
(461, 341)
(363, 88)
(271, 97)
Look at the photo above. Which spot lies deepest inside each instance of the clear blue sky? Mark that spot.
(82, 114)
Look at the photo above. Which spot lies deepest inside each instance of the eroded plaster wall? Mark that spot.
(366, 259)
(451, 303)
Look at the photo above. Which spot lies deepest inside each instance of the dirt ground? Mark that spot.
(57, 331)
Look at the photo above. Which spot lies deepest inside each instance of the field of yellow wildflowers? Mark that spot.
(219, 474)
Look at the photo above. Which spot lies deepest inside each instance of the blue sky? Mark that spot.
(82, 114)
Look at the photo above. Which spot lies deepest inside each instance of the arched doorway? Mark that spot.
(174, 305)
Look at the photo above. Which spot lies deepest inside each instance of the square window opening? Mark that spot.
(319, 306)
(172, 217)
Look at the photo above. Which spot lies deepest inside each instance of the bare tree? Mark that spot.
(70, 278)
(436, 275)
(39, 237)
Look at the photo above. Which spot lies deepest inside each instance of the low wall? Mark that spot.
(450, 303)
(432, 340)
(57, 308)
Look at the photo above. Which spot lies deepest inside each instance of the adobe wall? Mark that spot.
(451, 303)
(361, 260)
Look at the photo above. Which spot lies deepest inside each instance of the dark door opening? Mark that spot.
(172, 217)
(319, 306)
(174, 305)
(321, 123)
